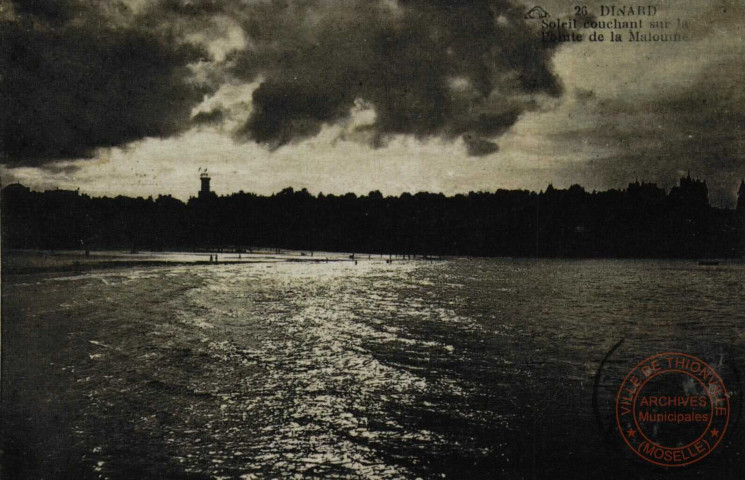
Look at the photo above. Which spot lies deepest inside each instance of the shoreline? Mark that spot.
(32, 262)
(28, 262)
(39, 262)
(78, 267)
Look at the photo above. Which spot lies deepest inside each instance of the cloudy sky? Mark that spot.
(134, 96)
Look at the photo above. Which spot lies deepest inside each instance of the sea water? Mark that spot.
(502, 368)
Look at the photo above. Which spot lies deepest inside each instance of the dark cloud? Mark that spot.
(429, 68)
(213, 117)
(702, 129)
(193, 7)
(285, 110)
(478, 147)
(71, 84)
(53, 11)
(81, 74)
(699, 127)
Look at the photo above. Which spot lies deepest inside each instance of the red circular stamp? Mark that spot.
(672, 409)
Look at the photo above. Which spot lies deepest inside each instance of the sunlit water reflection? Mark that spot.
(457, 369)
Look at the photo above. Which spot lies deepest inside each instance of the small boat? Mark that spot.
(711, 263)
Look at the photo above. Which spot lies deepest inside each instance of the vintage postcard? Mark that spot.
(372, 239)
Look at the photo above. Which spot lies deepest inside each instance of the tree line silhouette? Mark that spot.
(642, 220)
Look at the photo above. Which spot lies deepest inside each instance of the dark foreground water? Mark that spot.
(457, 369)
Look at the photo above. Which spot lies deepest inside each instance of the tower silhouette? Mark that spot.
(204, 193)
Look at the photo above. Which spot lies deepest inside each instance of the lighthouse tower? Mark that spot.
(204, 193)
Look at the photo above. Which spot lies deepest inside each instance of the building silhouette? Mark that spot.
(641, 220)
(205, 192)
(691, 192)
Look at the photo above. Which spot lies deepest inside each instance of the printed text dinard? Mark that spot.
(615, 24)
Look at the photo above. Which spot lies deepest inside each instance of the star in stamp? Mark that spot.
(672, 409)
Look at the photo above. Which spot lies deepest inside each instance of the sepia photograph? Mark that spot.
(372, 239)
